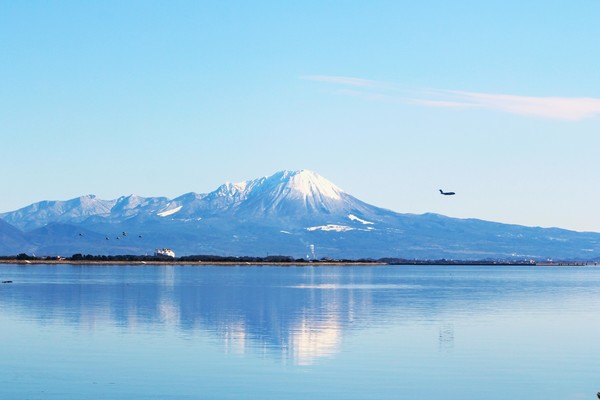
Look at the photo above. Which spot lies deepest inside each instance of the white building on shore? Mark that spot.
(164, 252)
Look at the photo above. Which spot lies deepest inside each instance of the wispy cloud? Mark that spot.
(565, 108)
(552, 107)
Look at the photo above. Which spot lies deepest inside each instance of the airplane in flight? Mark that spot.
(447, 193)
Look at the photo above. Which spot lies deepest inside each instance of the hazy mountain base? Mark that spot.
(422, 237)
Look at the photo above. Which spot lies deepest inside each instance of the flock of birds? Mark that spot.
(123, 234)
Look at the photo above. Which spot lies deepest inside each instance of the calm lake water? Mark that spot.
(189, 332)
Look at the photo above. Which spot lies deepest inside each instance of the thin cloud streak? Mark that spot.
(564, 108)
(552, 107)
(442, 103)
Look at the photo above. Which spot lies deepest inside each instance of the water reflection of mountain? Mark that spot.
(272, 309)
(298, 313)
(278, 309)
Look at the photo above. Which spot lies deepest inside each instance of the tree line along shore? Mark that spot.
(249, 260)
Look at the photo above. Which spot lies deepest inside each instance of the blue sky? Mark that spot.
(390, 100)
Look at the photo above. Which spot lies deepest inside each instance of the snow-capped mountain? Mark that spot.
(75, 210)
(298, 195)
(288, 213)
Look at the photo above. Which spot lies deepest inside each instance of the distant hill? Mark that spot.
(295, 213)
(12, 240)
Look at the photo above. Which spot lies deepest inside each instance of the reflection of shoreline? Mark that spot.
(421, 263)
(188, 263)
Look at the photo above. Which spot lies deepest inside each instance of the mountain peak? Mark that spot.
(288, 193)
(307, 183)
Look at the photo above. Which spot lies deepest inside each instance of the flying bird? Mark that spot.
(447, 193)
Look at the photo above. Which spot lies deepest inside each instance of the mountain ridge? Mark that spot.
(288, 213)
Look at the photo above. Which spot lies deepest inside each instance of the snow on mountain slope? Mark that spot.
(362, 221)
(283, 194)
(295, 194)
(130, 206)
(330, 227)
(308, 186)
(169, 211)
(270, 193)
(74, 210)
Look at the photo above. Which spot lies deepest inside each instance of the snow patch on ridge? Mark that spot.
(362, 221)
(169, 212)
(330, 227)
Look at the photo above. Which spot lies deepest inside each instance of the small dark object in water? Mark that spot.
(7, 282)
(598, 394)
